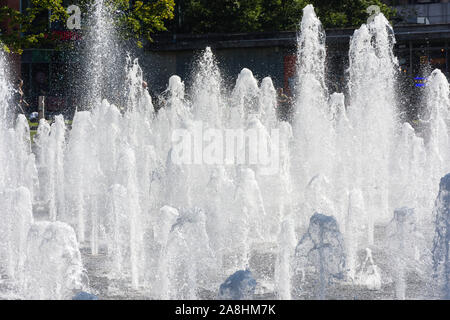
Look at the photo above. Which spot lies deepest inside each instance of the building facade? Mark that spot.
(423, 11)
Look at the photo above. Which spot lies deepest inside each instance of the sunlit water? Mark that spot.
(345, 207)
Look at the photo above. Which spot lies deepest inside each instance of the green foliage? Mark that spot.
(31, 28)
(26, 29)
(220, 16)
(347, 13)
(141, 19)
(282, 15)
(206, 16)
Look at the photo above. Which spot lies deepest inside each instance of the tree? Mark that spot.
(140, 19)
(25, 29)
(31, 27)
(347, 13)
(206, 16)
(282, 15)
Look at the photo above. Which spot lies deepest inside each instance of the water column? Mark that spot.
(42, 141)
(440, 250)
(284, 261)
(409, 171)
(17, 181)
(81, 170)
(207, 100)
(97, 46)
(134, 224)
(173, 116)
(437, 131)
(273, 169)
(50, 146)
(244, 99)
(268, 103)
(102, 55)
(213, 189)
(401, 234)
(208, 110)
(312, 125)
(372, 113)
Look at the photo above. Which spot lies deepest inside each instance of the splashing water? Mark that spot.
(106, 199)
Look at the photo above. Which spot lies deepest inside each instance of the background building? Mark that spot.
(423, 11)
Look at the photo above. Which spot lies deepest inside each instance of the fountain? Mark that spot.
(320, 255)
(214, 196)
(401, 233)
(440, 249)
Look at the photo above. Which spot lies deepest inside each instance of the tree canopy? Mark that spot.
(31, 27)
(25, 29)
(140, 19)
(206, 16)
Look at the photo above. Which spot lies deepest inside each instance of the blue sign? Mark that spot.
(420, 81)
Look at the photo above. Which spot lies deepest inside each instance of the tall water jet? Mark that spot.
(246, 221)
(127, 177)
(275, 180)
(139, 130)
(244, 98)
(21, 167)
(268, 103)
(5, 91)
(311, 123)
(355, 229)
(344, 142)
(50, 143)
(209, 112)
(17, 185)
(284, 263)
(82, 170)
(262, 155)
(207, 100)
(401, 233)
(138, 98)
(101, 53)
(17, 218)
(42, 139)
(117, 230)
(173, 114)
(440, 251)
(437, 129)
(409, 171)
(249, 198)
(220, 190)
(372, 112)
(167, 218)
(284, 148)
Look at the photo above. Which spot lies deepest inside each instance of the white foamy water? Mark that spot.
(106, 199)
